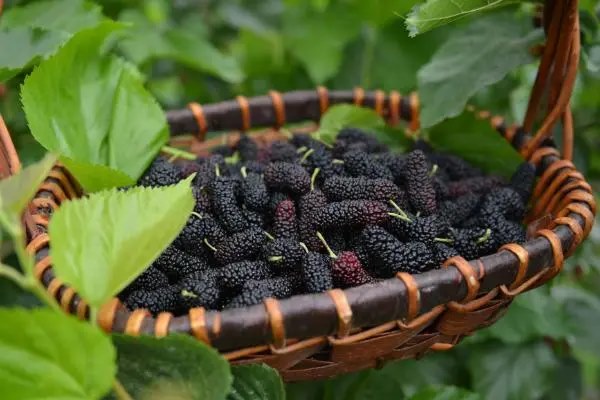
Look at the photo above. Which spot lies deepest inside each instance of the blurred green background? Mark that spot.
(548, 345)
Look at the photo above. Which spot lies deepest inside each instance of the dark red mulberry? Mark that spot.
(347, 270)
(285, 225)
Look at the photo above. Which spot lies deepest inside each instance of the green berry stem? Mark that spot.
(275, 258)
(197, 215)
(306, 155)
(401, 214)
(210, 246)
(267, 234)
(244, 172)
(485, 237)
(313, 178)
(322, 239)
(178, 153)
(443, 240)
(187, 293)
(304, 247)
(301, 150)
(337, 161)
(217, 170)
(433, 170)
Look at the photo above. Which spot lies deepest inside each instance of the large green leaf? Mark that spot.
(30, 33)
(583, 310)
(434, 13)
(102, 242)
(533, 315)
(48, 355)
(567, 381)
(17, 190)
(24, 47)
(175, 367)
(501, 372)
(317, 39)
(256, 382)
(146, 42)
(346, 115)
(445, 393)
(475, 141)
(55, 15)
(94, 109)
(471, 59)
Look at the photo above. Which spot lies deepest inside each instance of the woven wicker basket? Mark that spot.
(320, 335)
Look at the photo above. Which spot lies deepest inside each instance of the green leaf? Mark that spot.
(317, 40)
(256, 382)
(346, 115)
(95, 177)
(17, 190)
(445, 393)
(501, 372)
(24, 47)
(475, 141)
(33, 32)
(49, 355)
(94, 109)
(119, 233)
(583, 310)
(54, 15)
(145, 42)
(533, 315)
(473, 58)
(175, 367)
(567, 381)
(435, 13)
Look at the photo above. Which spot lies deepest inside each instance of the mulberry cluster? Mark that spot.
(299, 216)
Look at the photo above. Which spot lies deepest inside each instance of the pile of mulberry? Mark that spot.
(302, 216)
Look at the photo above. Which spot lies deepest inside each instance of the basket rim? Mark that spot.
(513, 269)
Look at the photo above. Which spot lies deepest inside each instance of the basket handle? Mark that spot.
(9, 160)
(555, 77)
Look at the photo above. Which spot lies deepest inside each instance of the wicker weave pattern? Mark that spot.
(320, 335)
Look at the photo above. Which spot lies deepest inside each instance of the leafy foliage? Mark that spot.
(173, 367)
(119, 234)
(17, 190)
(256, 382)
(96, 123)
(344, 115)
(471, 59)
(35, 31)
(44, 354)
(435, 13)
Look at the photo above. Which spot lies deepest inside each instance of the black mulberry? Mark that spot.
(316, 273)
(419, 186)
(240, 246)
(283, 176)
